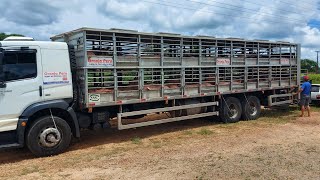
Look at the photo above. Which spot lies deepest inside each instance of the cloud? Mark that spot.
(126, 9)
(158, 14)
(294, 21)
(29, 12)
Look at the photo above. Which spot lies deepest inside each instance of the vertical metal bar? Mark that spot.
(162, 83)
(200, 68)
(115, 76)
(231, 78)
(281, 66)
(258, 78)
(270, 76)
(290, 71)
(245, 54)
(217, 79)
(182, 70)
(269, 53)
(200, 52)
(140, 70)
(119, 118)
(161, 64)
(115, 58)
(139, 50)
(115, 94)
(162, 52)
(183, 83)
(217, 50)
(181, 52)
(217, 68)
(86, 98)
(280, 53)
(231, 64)
(298, 49)
(290, 49)
(141, 81)
(100, 43)
(231, 53)
(246, 67)
(246, 77)
(258, 53)
(280, 75)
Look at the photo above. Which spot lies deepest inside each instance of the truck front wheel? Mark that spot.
(44, 138)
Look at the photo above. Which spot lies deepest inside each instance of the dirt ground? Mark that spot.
(279, 145)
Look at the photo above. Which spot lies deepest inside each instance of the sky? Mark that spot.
(277, 20)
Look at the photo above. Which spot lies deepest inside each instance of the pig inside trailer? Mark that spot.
(91, 78)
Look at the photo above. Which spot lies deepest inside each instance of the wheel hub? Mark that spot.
(233, 112)
(253, 109)
(49, 137)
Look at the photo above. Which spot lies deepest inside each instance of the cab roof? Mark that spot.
(41, 44)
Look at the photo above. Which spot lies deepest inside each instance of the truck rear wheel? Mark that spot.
(231, 110)
(251, 108)
(44, 139)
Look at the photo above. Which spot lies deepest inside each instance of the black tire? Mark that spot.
(251, 108)
(44, 126)
(234, 115)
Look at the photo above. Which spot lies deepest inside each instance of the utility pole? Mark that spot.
(317, 69)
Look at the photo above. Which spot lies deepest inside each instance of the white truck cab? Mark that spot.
(33, 75)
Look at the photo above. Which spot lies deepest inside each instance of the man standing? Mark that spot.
(305, 91)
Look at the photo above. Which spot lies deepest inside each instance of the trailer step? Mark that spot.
(274, 101)
(160, 121)
(166, 109)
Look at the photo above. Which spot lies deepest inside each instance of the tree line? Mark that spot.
(309, 64)
(4, 35)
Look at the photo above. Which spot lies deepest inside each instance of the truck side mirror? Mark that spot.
(2, 81)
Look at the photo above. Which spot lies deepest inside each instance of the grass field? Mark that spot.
(279, 145)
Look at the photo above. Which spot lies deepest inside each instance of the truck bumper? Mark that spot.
(13, 139)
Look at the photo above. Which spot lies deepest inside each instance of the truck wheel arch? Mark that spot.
(56, 105)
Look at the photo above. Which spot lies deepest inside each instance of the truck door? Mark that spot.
(21, 83)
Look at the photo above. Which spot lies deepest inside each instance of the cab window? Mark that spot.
(315, 88)
(19, 65)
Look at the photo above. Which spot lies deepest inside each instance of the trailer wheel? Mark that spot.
(251, 108)
(43, 139)
(231, 110)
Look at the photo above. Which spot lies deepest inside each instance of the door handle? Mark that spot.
(40, 91)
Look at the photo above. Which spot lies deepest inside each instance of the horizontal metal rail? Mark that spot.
(133, 113)
(148, 123)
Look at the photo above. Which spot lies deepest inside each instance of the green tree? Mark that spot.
(4, 35)
(308, 64)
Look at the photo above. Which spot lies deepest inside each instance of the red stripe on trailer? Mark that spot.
(92, 104)
(202, 94)
(143, 100)
(166, 97)
(119, 102)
